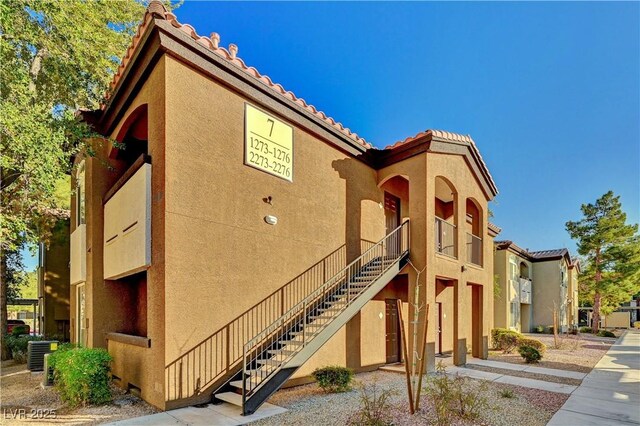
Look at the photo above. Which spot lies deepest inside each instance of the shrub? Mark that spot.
(455, 395)
(530, 354)
(636, 324)
(333, 378)
(19, 330)
(374, 407)
(19, 345)
(550, 329)
(539, 329)
(505, 340)
(82, 375)
(605, 333)
(541, 347)
(586, 330)
(507, 393)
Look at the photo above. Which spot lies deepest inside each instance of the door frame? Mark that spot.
(394, 304)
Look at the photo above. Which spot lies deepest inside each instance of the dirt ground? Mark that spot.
(23, 400)
(575, 352)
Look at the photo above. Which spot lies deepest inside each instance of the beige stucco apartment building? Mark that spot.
(530, 284)
(240, 233)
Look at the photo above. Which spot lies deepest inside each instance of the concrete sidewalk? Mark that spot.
(223, 414)
(527, 368)
(504, 377)
(610, 394)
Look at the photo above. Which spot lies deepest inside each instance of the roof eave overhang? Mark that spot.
(160, 37)
(433, 143)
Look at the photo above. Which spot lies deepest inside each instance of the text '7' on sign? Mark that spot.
(268, 143)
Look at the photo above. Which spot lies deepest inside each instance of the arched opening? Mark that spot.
(446, 200)
(473, 227)
(132, 141)
(524, 270)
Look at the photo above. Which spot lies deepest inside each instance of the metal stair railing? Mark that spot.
(318, 309)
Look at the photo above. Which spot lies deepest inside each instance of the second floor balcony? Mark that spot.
(525, 290)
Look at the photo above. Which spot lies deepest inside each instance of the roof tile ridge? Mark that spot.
(156, 9)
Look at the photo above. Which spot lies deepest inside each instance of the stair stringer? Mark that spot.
(279, 377)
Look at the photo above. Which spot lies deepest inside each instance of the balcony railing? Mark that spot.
(525, 290)
(445, 237)
(474, 249)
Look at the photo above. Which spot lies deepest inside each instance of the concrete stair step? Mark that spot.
(230, 397)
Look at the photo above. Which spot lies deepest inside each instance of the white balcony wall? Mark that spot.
(78, 255)
(525, 291)
(127, 227)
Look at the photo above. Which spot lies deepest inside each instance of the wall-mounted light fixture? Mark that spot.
(271, 220)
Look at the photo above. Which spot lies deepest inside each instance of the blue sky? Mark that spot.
(550, 92)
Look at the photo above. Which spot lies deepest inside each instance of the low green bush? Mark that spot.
(586, 330)
(541, 347)
(19, 345)
(539, 329)
(333, 378)
(605, 333)
(504, 339)
(82, 375)
(550, 329)
(530, 354)
(19, 330)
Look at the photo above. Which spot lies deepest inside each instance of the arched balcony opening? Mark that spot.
(524, 270)
(132, 142)
(473, 228)
(446, 201)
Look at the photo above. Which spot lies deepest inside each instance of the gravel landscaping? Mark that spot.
(308, 404)
(576, 352)
(21, 389)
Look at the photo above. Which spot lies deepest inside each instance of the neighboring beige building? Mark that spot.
(530, 283)
(241, 231)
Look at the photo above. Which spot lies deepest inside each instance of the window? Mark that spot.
(80, 196)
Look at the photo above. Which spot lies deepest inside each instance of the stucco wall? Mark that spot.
(222, 258)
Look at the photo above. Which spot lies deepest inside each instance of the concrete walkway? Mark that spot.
(512, 380)
(610, 394)
(505, 378)
(215, 415)
(527, 368)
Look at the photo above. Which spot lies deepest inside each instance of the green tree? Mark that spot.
(56, 57)
(611, 249)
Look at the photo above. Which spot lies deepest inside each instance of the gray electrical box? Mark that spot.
(36, 351)
(47, 379)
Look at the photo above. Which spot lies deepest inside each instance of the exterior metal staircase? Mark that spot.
(272, 356)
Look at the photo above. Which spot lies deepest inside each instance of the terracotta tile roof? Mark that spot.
(157, 10)
(449, 137)
(494, 228)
